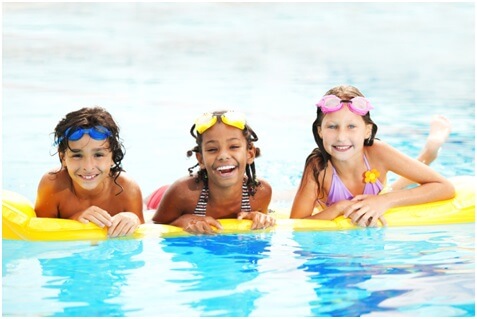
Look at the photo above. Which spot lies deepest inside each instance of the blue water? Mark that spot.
(155, 67)
(406, 271)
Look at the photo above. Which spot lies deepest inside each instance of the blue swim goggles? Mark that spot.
(98, 133)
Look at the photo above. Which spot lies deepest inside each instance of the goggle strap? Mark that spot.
(96, 132)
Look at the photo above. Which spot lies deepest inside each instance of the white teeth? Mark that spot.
(88, 176)
(224, 168)
(342, 147)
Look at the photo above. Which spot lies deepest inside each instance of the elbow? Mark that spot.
(452, 192)
(294, 215)
(298, 214)
(156, 218)
(160, 218)
(448, 191)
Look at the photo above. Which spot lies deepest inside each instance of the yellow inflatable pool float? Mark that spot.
(19, 220)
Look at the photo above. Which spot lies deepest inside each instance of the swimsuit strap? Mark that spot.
(201, 207)
(245, 199)
(366, 162)
(202, 203)
(338, 190)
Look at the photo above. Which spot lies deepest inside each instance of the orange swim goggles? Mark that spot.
(231, 118)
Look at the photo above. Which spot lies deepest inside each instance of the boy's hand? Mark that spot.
(95, 215)
(123, 224)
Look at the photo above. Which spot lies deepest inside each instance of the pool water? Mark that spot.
(405, 271)
(155, 67)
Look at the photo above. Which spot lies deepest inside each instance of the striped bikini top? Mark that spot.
(201, 207)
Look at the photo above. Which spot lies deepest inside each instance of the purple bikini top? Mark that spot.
(338, 190)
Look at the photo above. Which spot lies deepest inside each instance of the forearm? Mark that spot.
(137, 211)
(421, 194)
(182, 221)
(401, 183)
(329, 213)
(42, 213)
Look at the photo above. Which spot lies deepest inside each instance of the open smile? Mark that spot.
(226, 170)
(88, 177)
(342, 148)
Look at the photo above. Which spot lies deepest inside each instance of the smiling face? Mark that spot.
(88, 162)
(225, 155)
(343, 133)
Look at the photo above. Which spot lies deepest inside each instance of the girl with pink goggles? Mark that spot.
(331, 103)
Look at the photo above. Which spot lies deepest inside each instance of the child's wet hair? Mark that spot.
(319, 155)
(89, 117)
(250, 137)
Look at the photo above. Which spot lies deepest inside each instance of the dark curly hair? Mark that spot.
(250, 136)
(89, 117)
(319, 158)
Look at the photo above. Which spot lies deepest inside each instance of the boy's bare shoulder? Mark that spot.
(55, 179)
(125, 178)
(130, 187)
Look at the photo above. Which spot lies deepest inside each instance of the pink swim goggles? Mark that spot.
(331, 103)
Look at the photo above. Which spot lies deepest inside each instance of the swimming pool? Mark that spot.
(156, 67)
(407, 271)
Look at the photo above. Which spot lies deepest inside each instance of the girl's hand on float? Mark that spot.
(123, 224)
(259, 220)
(367, 210)
(198, 224)
(95, 215)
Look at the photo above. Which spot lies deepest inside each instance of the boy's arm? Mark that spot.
(46, 204)
(134, 203)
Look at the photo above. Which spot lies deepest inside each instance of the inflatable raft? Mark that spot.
(19, 221)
